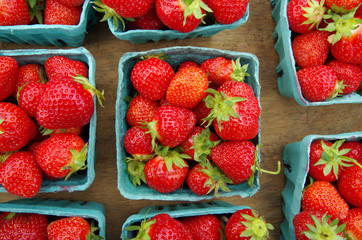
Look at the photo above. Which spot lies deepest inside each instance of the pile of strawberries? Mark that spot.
(327, 46)
(43, 110)
(245, 222)
(31, 226)
(25, 12)
(180, 15)
(332, 201)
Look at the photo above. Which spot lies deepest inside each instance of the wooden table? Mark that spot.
(283, 121)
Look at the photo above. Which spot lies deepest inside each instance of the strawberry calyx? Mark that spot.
(1, 121)
(315, 12)
(160, 56)
(135, 170)
(194, 7)
(256, 226)
(151, 126)
(99, 6)
(217, 179)
(88, 86)
(78, 161)
(202, 146)
(172, 156)
(9, 216)
(4, 156)
(142, 229)
(239, 72)
(92, 235)
(36, 8)
(323, 229)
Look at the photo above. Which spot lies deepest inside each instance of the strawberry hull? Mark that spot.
(296, 158)
(142, 36)
(176, 55)
(48, 35)
(82, 179)
(54, 209)
(288, 84)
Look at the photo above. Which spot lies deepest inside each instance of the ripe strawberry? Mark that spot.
(315, 225)
(350, 187)
(20, 174)
(342, 4)
(355, 150)
(181, 15)
(138, 143)
(77, 131)
(14, 12)
(348, 73)
(187, 87)
(62, 155)
(150, 20)
(203, 227)
(318, 83)
(304, 15)
(151, 77)
(29, 96)
(71, 228)
(322, 196)
(247, 224)
(61, 66)
(311, 49)
(72, 3)
(354, 224)
(201, 110)
(8, 71)
(226, 11)
(187, 64)
(16, 128)
(29, 73)
(57, 13)
(141, 110)
(130, 9)
(171, 125)
(29, 226)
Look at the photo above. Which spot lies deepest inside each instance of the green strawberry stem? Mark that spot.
(239, 72)
(142, 229)
(323, 230)
(203, 146)
(135, 171)
(78, 161)
(256, 227)
(108, 13)
(86, 84)
(218, 179)
(1, 121)
(193, 7)
(314, 12)
(4, 156)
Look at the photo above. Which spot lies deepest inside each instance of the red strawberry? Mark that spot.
(150, 20)
(29, 73)
(350, 187)
(318, 83)
(311, 49)
(201, 110)
(14, 12)
(151, 77)
(20, 174)
(57, 13)
(304, 15)
(187, 87)
(354, 224)
(29, 96)
(342, 4)
(180, 15)
(76, 131)
(322, 196)
(203, 227)
(71, 2)
(226, 11)
(315, 225)
(71, 228)
(61, 66)
(188, 64)
(247, 224)
(62, 155)
(16, 128)
(138, 143)
(355, 150)
(29, 226)
(347, 73)
(8, 71)
(141, 110)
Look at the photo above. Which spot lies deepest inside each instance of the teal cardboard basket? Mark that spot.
(82, 179)
(296, 158)
(143, 36)
(93, 211)
(288, 84)
(47, 35)
(176, 55)
(181, 210)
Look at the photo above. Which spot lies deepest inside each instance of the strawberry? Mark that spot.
(226, 11)
(322, 196)
(187, 64)
(203, 227)
(151, 77)
(61, 66)
(29, 226)
(8, 71)
(14, 12)
(353, 223)
(57, 13)
(316, 225)
(62, 155)
(311, 49)
(247, 224)
(71, 228)
(350, 187)
(318, 83)
(201, 110)
(77, 131)
(72, 3)
(347, 73)
(141, 110)
(342, 4)
(29, 73)
(138, 143)
(355, 150)
(29, 96)
(16, 128)
(187, 87)
(20, 174)
(150, 20)
(305, 15)
(181, 15)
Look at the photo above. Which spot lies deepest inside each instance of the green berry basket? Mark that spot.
(47, 35)
(55, 209)
(176, 55)
(288, 84)
(84, 178)
(296, 158)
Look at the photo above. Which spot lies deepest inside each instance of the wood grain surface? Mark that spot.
(283, 121)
